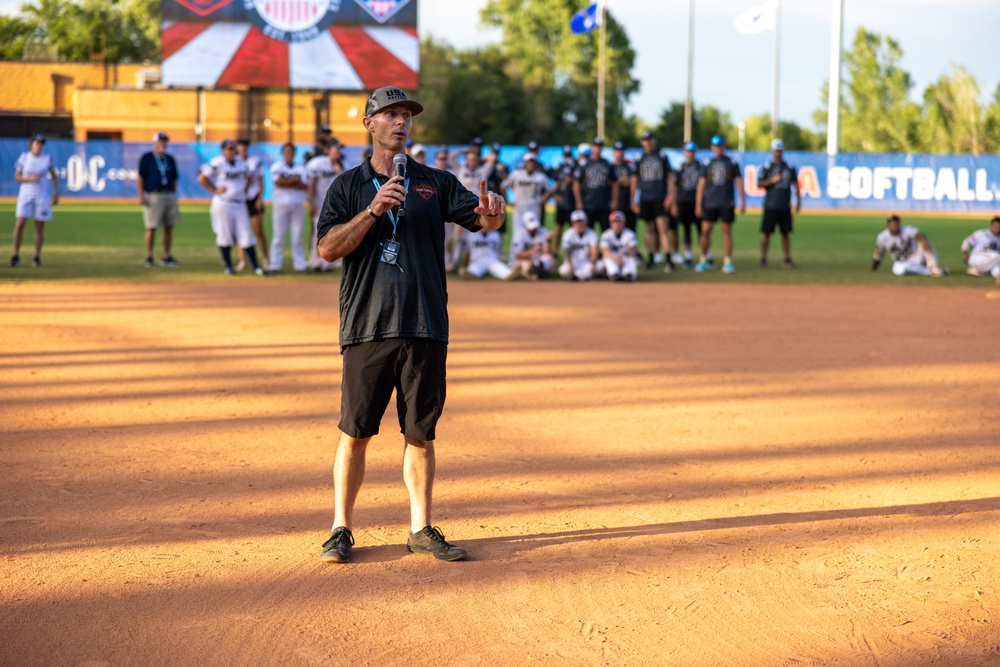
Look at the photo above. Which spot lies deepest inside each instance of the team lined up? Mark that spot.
(587, 190)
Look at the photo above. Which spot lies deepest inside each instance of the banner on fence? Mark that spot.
(877, 182)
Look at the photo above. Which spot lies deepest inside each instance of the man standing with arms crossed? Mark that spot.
(157, 180)
(715, 202)
(393, 311)
(779, 179)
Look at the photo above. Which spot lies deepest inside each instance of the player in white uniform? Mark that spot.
(909, 248)
(37, 174)
(483, 253)
(981, 251)
(322, 171)
(226, 176)
(620, 249)
(531, 249)
(255, 201)
(288, 213)
(469, 174)
(531, 188)
(579, 246)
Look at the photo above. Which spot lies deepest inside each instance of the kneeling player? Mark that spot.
(620, 249)
(981, 251)
(483, 254)
(532, 249)
(579, 246)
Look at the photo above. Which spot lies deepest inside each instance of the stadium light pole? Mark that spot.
(690, 73)
(602, 37)
(777, 61)
(833, 99)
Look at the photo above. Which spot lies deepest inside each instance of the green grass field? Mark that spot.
(105, 242)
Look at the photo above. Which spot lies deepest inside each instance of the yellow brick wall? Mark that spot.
(30, 87)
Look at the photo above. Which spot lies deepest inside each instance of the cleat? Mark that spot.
(667, 268)
(430, 542)
(789, 264)
(36, 262)
(169, 261)
(259, 272)
(973, 272)
(337, 549)
(148, 263)
(702, 267)
(229, 271)
(688, 263)
(727, 267)
(15, 261)
(763, 262)
(678, 258)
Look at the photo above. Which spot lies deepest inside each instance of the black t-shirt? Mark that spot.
(653, 171)
(153, 178)
(596, 177)
(687, 181)
(409, 299)
(779, 195)
(720, 172)
(623, 174)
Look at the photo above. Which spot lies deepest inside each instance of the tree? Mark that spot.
(558, 69)
(953, 120)
(14, 33)
(876, 112)
(706, 122)
(991, 123)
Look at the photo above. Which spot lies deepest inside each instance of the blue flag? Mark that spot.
(585, 20)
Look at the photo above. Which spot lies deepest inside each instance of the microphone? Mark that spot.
(399, 165)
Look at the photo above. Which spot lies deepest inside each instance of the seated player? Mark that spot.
(910, 249)
(620, 250)
(531, 249)
(482, 250)
(981, 251)
(579, 247)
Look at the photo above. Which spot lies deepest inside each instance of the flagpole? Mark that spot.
(601, 68)
(833, 99)
(777, 61)
(690, 73)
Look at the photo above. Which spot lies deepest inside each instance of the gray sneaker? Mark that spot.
(337, 549)
(430, 541)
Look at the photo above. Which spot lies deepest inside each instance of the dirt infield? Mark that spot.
(645, 474)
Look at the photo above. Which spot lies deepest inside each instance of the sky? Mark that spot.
(734, 72)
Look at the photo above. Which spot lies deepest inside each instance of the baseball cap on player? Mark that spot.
(718, 140)
(567, 150)
(160, 136)
(386, 97)
(616, 215)
(530, 221)
(648, 134)
(578, 216)
(597, 141)
(777, 145)
(690, 146)
(243, 141)
(331, 142)
(530, 156)
(418, 149)
(227, 143)
(324, 129)
(39, 137)
(533, 146)
(619, 146)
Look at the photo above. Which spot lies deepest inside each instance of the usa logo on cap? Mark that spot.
(382, 10)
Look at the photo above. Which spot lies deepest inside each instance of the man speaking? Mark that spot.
(388, 225)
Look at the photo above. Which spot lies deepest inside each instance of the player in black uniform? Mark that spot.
(656, 187)
(595, 187)
(565, 199)
(715, 202)
(779, 179)
(688, 175)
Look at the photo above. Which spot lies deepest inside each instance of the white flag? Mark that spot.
(758, 19)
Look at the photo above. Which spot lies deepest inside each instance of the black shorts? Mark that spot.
(562, 216)
(252, 207)
(782, 219)
(726, 215)
(630, 218)
(414, 367)
(598, 216)
(685, 212)
(651, 210)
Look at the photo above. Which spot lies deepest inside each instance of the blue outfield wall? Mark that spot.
(849, 182)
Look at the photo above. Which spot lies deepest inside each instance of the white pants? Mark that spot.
(518, 221)
(584, 271)
(231, 223)
(986, 262)
(494, 267)
(315, 261)
(288, 219)
(452, 247)
(35, 207)
(629, 268)
(546, 262)
(915, 264)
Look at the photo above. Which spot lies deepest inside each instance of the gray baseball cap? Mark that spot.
(386, 97)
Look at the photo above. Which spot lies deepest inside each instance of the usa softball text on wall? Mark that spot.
(324, 44)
